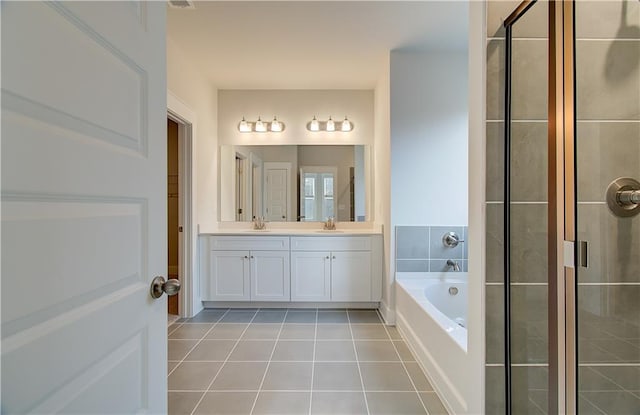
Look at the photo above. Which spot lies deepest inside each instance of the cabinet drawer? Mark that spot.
(331, 243)
(249, 243)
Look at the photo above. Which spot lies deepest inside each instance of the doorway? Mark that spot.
(173, 212)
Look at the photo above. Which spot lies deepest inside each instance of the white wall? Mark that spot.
(429, 138)
(295, 108)
(187, 83)
(382, 184)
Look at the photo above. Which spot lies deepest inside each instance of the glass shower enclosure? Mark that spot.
(569, 204)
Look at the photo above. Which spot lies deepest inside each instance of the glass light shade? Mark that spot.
(331, 125)
(346, 125)
(244, 126)
(314, 125)
(260, 126)
(276, 126)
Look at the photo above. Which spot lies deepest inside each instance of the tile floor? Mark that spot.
(291, 361)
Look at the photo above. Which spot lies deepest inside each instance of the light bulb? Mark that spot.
(331, 125)
(346, 125)
(314, 125)
(276, 126)
(260, 126)
(244, 126)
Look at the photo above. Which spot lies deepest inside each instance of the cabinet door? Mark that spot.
(310, 276)
(228, 278)
(270, 276)
(351, 276)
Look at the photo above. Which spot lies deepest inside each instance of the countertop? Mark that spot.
(245, 229)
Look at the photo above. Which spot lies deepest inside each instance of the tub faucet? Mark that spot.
(453, 264)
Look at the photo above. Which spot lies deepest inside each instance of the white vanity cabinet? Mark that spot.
(335, 268)
(245, 268)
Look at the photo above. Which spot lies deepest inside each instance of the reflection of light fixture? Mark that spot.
(316, 125)
(244, 126)
(276, 126)
(346, 125)
(331, 126)
(261, 126)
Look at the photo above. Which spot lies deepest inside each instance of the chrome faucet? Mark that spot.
(453, 264)
(259, 223)
(329, 224)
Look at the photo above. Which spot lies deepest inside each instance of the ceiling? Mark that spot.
(310, 44)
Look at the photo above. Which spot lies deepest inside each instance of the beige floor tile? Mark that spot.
(285, 376)
(211, 350)
(240, 376)
(404, 352)
(371, 350)
(262, 331)
(394, 403)
(229, 331)
(419, 379)
(338, 403)
(369, 332)
(178, 349)
(253, 350)
(433, 403)
(226, 403)
(336, 376)
(282, 403)
(335, 351)
(293, 350)
(191, 331)
(182, 403)
(334, 332)
(385, 377)
(298, 332)
(191, 376)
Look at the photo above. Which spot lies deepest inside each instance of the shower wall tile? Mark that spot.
(406, 265)
(624, 402)
(495, 79)
(529, 324)
(529, 243)
(608, 80)
(494, 328)
(628, 377)
(494, 390)
(533, 24)
(608, 19)
(437, 250)
(495, 161)
(529, 161)
(529, 385)
(614, 245)
(528, 25)
(605, 151)
(494, 243)
(420, 248)
(412, 242)
(529, 79)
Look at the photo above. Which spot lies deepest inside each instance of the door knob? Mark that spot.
(159, 286)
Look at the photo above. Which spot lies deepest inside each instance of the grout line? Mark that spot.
(609, 364)
(226, 360)
(273, 350)
(197, 343)
(313, 365)
(353, 342)
(404, 366)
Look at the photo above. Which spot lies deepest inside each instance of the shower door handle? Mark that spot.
(583, 254)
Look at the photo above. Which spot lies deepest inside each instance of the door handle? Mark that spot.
(160, 286)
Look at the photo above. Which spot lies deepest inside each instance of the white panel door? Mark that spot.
(270, 276)
(310, 276)
(276, 194)
(351, 276)
(83, 207)
(229, 277)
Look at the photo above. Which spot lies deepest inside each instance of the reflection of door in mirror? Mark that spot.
(256, 186)
(317, 197)
(276, 191)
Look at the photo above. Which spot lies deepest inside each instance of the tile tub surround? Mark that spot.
(420, 248)
(311, 361)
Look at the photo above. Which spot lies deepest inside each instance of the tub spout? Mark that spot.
(453, 265)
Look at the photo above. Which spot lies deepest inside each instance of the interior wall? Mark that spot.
(429, 138)
(382, 184)
(189, 85)
(295, 108)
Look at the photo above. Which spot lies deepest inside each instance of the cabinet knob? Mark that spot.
(251, 256)
(246, 257)
(334, 257)
(327, 257)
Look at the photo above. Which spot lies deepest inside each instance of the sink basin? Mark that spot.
(329, 231)
(258, 230)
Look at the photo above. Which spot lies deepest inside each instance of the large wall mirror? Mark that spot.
(294, 183)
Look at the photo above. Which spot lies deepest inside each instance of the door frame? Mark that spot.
(189, 303)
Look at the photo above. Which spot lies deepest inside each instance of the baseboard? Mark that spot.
(285, 304)
(388, 315)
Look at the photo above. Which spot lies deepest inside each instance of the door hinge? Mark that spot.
(179, 228)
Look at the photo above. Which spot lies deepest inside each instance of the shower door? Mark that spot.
(607, 143)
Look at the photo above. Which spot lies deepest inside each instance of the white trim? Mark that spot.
(387, 314)
(365, 305)
(178, 111)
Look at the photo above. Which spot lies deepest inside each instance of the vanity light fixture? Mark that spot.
(346, 125)
(316, 125)
(260, 126)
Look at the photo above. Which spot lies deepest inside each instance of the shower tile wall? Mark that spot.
(420, 248)
(608, 147)
(528, 210)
